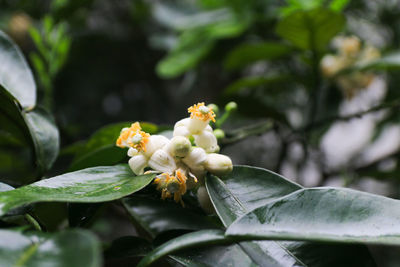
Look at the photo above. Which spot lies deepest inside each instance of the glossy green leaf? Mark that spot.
(312, 29)
(157, 216)
(97, 184)
(247, 188)
(247, 53)
(15, 74)
(100, 149)
(324, 214)
(190, 240)
(68, 248)
(45, 137)
(128, 246)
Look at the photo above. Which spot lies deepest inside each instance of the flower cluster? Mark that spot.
(181, 161)
(350, 53)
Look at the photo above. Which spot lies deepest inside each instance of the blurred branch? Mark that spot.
(320, 123)
(241, 133)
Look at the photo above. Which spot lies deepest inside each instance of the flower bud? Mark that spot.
(207, 141)
(195, 159)
(155, 142)
(231, 106)
(181, 131)
(137, 164)
(183, 122)
(204, 200)
(162, 161)
(179, 146)
(218, 164)
(213, 107)
(219, 134)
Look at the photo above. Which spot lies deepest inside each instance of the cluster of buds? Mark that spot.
(350, 53)
(182, 161)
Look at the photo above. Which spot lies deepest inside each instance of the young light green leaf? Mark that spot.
(15, 75)
(97, 184)
(324, 215)
(311, 29)
(68, 248)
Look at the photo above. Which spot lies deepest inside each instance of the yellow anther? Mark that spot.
(201, 112)
(133, 137)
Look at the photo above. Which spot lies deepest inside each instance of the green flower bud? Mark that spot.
(219, 133)
(231, 106)
(180, 146)
(218, 164)
(214, 108)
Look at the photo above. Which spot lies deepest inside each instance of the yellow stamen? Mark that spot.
(133, 137)
(201, 112)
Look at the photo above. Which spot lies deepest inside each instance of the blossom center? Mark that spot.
(137, 138)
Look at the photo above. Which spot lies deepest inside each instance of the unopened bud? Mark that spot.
(207, 141)
(180, 146)
(162, 161)
(219, 133)
(214, 107)
(231, 106)
(137, 164)
(155, 142)
(195, 159)
(218, 164)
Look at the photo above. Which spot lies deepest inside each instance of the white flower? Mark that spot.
(162, 161)
(207, 141)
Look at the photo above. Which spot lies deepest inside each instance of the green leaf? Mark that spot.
(247, 188)
(100, 149)
(15, 75)
(324, 214)
(98, 184)
(45, 137)
(194, 239)
(311, 29)
(68, 248)
(157, 216)
(252, 52)
(128, 246)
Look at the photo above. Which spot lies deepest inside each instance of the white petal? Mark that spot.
(132, 152)
(196, 126)
(162, 161)
(155, 142)
(137, 164)
(196, 159)
(179, 146)
(181, 131)
(207, 141)
(183, 122)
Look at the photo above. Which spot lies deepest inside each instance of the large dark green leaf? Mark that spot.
(15, 74)
(247, 188)
(157, 216)
(100, 149)
(98, 184)
(311, 29)
(190, 240)
(252, 52)
(68, 248)
(324, 214)
(45, 137)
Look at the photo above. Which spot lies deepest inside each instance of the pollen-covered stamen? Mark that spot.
(200, 111)
(133, 137)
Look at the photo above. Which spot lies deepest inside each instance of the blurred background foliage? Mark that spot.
(98, 63)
